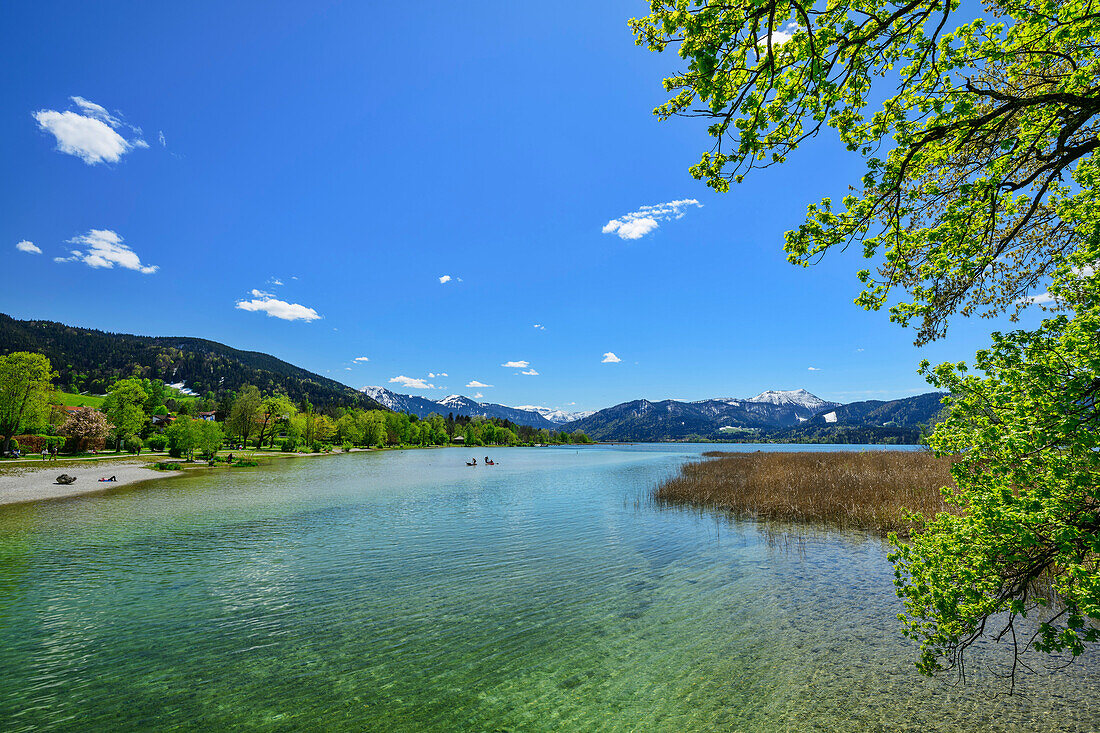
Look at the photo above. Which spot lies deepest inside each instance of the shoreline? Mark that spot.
(38, 483)
(33, 481)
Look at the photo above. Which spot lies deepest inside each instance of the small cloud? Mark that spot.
(90, 133)
(275, 281)
(530, 373)
(813, 369)
(540, 327)
(411, 382)
(265, 303)
(637, 224)
(161, 140)
(476, 384)
(444, 279)
(104, 248)
(781, 35)
(28, 247)
(1040, 299)
(478, 395)
(361, 359)
(610, 358)
(443, 374)
(859, 349)
(516, 364)
(347, 369)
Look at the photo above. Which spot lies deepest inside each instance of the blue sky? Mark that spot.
(341, 158)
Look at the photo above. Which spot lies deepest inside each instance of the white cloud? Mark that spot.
(610, 358)
(813, 369)
(360, 359)
(443, 374)
(28, 247)
(275, 281)
(412, 382)
(1040, 299)
(265, 303)
(477, 396)
(540, 327)
(90, 134)
(637, 224)
(444, 279)
(781, 35)
(474, 384)
(105, 249)
(530, 373)
(161, 140)
(516, 364)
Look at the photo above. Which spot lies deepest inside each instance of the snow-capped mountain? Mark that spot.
(457, 404)
(556, 415)
(792, 397)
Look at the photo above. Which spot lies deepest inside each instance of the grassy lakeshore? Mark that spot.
(871, 490)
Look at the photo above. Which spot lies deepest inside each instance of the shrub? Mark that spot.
(346, 446)
(168, 466)
(175, 452)
(289, 446)
(157, 442)
(132, 444)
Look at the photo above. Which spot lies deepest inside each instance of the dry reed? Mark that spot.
(870, 490)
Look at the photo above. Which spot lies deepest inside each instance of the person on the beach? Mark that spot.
(45, 453)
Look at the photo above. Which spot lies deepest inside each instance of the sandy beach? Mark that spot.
(38, 483)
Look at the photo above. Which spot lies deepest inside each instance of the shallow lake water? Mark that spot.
(404, 591)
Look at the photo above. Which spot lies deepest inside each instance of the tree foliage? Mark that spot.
(242, 417)
(981, 184)
(187, 436)
(981, 169)
(1026, 436)
(85, 424)
(124, 408)
(25, 383)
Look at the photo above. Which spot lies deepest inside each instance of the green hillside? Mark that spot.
(88, 360)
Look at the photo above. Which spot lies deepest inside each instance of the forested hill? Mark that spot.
(89, 361)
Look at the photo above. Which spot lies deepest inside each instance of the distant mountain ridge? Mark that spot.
(91, 360)
(457, 404)
(767, 413)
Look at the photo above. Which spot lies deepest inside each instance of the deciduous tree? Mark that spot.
(124, 408)
(25, 383)
(84, 425)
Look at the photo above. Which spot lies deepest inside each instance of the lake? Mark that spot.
(404, 591)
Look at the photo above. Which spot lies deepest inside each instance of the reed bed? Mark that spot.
(871, 490)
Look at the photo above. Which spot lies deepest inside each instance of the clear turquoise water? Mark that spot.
(404, 591)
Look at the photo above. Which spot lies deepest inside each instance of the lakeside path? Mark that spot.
(38, 483)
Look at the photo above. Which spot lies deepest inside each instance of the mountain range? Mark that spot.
(459, 405)
(88, 360)
(768, 414)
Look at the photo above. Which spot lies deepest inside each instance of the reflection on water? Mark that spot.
(405, 591)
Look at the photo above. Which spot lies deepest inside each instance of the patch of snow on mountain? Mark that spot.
(830, 416)
(183, 389)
